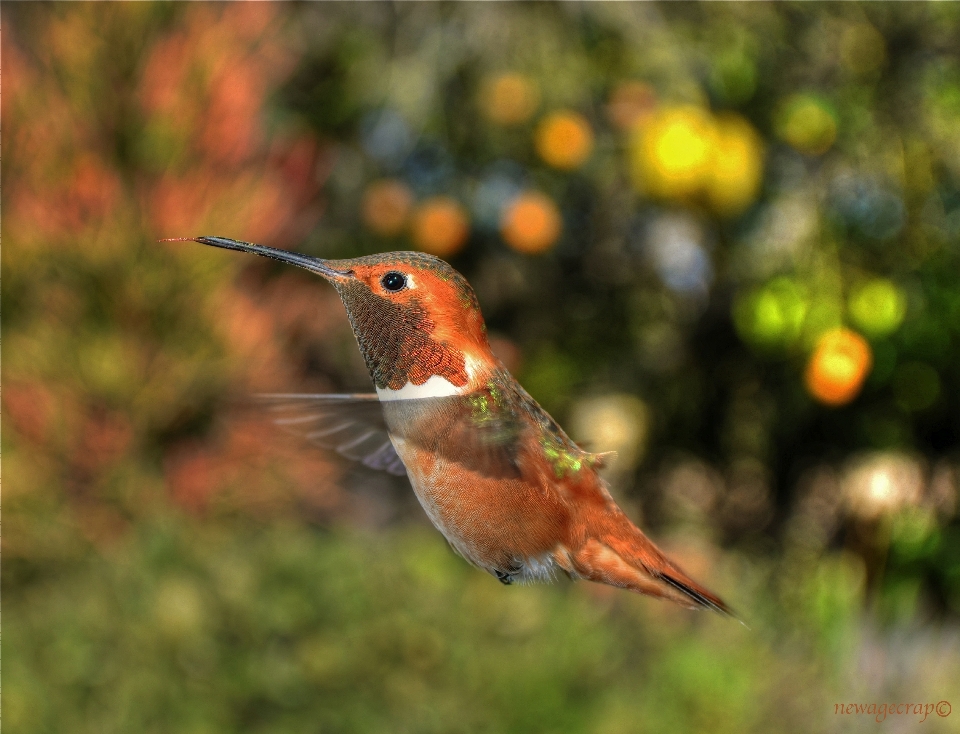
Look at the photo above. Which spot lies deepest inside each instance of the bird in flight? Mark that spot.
(493, 471)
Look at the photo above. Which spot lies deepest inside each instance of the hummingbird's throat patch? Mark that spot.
(397, 344)
(435, 387)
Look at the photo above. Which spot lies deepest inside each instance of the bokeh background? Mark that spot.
(720, 239)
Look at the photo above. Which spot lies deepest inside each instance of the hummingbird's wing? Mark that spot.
(470, 430)
(493, 430)
(486, 430)
(352, 425)
(479, 430)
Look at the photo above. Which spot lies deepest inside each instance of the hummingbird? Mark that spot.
(497, 476)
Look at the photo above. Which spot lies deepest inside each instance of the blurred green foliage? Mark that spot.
(185, 626)
(719, 187)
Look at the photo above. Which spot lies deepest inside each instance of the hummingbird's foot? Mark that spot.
(506, 577)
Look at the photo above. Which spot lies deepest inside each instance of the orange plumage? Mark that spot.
(493, 471)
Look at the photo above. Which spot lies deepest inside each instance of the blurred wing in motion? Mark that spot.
(498, 431)
(482, 431)
(470, 430)
(351, 425)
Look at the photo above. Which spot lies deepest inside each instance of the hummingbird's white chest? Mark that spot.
(435, 387)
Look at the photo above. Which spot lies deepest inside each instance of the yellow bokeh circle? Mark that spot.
(736, 171)
(672, 153)
(686, 152)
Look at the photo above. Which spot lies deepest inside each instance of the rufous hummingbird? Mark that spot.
(494, 472)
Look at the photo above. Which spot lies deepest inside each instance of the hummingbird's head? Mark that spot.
(413, 315)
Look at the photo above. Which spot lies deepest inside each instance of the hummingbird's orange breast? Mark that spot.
(497, 523)
(480, 467)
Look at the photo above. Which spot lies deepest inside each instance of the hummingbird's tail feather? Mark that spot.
(700, 595)
(628, 559)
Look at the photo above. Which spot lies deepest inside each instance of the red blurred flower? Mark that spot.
(31, 407)
(163, 76)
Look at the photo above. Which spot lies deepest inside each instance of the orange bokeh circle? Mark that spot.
(531, 223)
(838, 366)
(564, 140)
(440, 226)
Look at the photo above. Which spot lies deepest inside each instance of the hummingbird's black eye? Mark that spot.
(394, 281)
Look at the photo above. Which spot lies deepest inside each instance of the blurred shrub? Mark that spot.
(193, 626)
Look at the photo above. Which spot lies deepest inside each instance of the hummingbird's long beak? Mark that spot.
(313, 264)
